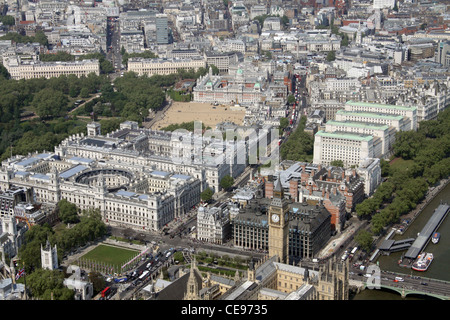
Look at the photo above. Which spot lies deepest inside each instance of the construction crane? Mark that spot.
(24, 219)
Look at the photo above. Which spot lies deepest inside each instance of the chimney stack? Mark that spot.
(268, 189)
(293, 189)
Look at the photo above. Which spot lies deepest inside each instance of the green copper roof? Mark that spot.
(345, 135)
(371, 114)
(356, 124)
(379, 105)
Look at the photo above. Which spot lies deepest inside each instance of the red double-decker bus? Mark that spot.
(105, 292)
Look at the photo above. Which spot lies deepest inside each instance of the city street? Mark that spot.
(113, 45)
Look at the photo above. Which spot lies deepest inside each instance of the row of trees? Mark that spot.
(299, 146)
(146, 55)
(39, 37)
(421, 160)
(188, 126)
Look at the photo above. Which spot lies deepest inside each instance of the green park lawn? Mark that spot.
(110, 255)
(401, 164)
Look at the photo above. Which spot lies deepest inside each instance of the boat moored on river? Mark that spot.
(435, 238)
(423, 261)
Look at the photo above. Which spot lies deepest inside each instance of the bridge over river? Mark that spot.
(411, 285)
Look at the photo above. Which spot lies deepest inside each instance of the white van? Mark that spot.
(399, 279)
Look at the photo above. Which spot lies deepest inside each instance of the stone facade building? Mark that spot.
(271, 280)
(126, 187)
(164, 66)
(20, 69)
(213, 224)
(309, 228)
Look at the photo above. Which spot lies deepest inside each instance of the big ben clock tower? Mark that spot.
(279, 224)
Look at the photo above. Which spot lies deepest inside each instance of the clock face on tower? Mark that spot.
(275, 218)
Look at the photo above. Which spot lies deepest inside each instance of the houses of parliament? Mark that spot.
(272, 278)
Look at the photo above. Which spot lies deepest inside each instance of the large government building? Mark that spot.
(268, 279)
(145, 199)
(128, 174)
(20, 68)
(160, 66)
(362, 130)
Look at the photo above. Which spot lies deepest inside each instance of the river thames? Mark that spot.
(441, 251)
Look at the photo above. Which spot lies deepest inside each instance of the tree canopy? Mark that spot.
(337, 163)
(299, 145)
(364, 239)
(207, 194)
(68, 212)
(7, 20)
(89, 228)
(49, 103)
(48, 285)
(421, 160)
(226, 182)
(39, 37)
(189, 126)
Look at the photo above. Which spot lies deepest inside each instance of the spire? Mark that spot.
(192, 285)
(236, 276)
(251, 271)
(278, 190)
